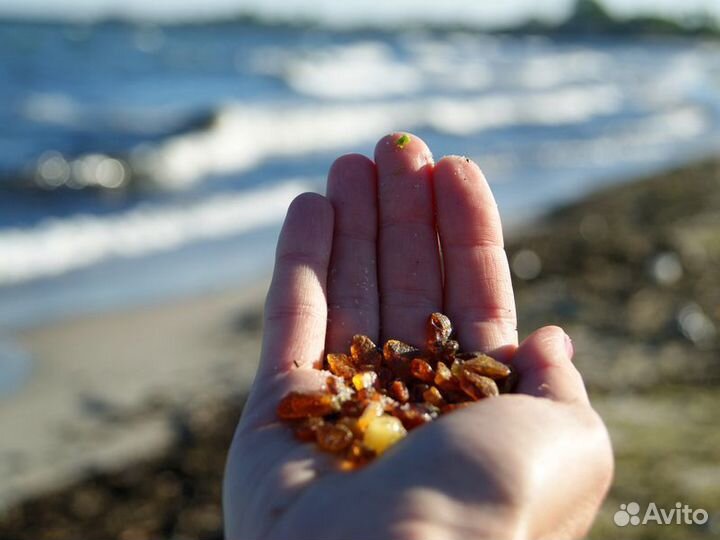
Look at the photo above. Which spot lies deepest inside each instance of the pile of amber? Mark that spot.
(377, 395)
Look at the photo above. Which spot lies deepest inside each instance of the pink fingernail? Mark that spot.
(569, 349)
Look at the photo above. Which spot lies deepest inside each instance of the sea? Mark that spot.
(142, 162)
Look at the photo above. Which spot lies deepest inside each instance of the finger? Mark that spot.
(544, 363)
(408, 258)
(352, 280)
(296, 308)
(478, 288)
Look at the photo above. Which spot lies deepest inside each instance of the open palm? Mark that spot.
(366, 259)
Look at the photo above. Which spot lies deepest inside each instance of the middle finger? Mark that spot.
(408, 257)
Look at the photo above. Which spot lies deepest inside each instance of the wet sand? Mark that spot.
(132, 444)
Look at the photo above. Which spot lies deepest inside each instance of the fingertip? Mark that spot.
(309, 201)
(311, 211)
(403, 144)
(352, 191)
(351, 166)
(453, 164)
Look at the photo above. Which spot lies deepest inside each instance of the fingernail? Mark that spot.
(569, 349)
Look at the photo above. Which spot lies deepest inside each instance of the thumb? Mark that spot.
(544, 364)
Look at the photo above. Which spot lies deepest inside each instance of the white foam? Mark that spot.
(245, 136)
(361, 70)
(57, 246)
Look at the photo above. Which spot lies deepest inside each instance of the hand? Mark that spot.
(365, 259)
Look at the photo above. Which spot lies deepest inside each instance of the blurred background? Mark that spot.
(148, 152)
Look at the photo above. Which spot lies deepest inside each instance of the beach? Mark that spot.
(132, 444)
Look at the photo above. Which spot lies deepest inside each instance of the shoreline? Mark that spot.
(74, 415)
(630, 271)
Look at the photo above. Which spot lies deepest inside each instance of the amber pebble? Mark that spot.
(397, 356)
(383, 432)
(364, 380)
(333, 385)
(484, 365)
(444, 379)
(305, 430)
(352, 424)
(421, 370)
(333, 438)
(389, 403)
(351, 408)
(394, 348)
(297, 405)
(412, 415)
(339, 364)
(399, 391)
(364, 353)
(373, 410)
(433, 396)
(477, 386)
(437, 331)
(456, 369)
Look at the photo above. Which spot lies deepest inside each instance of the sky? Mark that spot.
(488, 13)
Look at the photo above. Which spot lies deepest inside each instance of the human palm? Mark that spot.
(366, 259)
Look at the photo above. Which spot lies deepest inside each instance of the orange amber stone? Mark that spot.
(333, 438)
(399, 391)
(364, 353)
(421, 370)
(484, 365)
(339, 364)
(476, 386)
(433, 396)
(297, 405)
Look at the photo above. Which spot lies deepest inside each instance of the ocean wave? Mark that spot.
(242, 137)
(57, 246)
(372, 69)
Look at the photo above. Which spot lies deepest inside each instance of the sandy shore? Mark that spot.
(104, 389)
(139, 433)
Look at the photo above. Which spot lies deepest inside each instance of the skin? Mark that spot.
(365, 259)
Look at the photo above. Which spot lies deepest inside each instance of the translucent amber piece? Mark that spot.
(364, 353)
(339, 364)
(397, 356)
(444, 379)
(383, 432)
(297, 405)
(399, 391)
(421, 370)
(476, 386)
(364, 380)
(305, 430)
(372, 411)
(484, 365)
(433, 396)
(413, 415)
(333, 438)
(437, 331)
